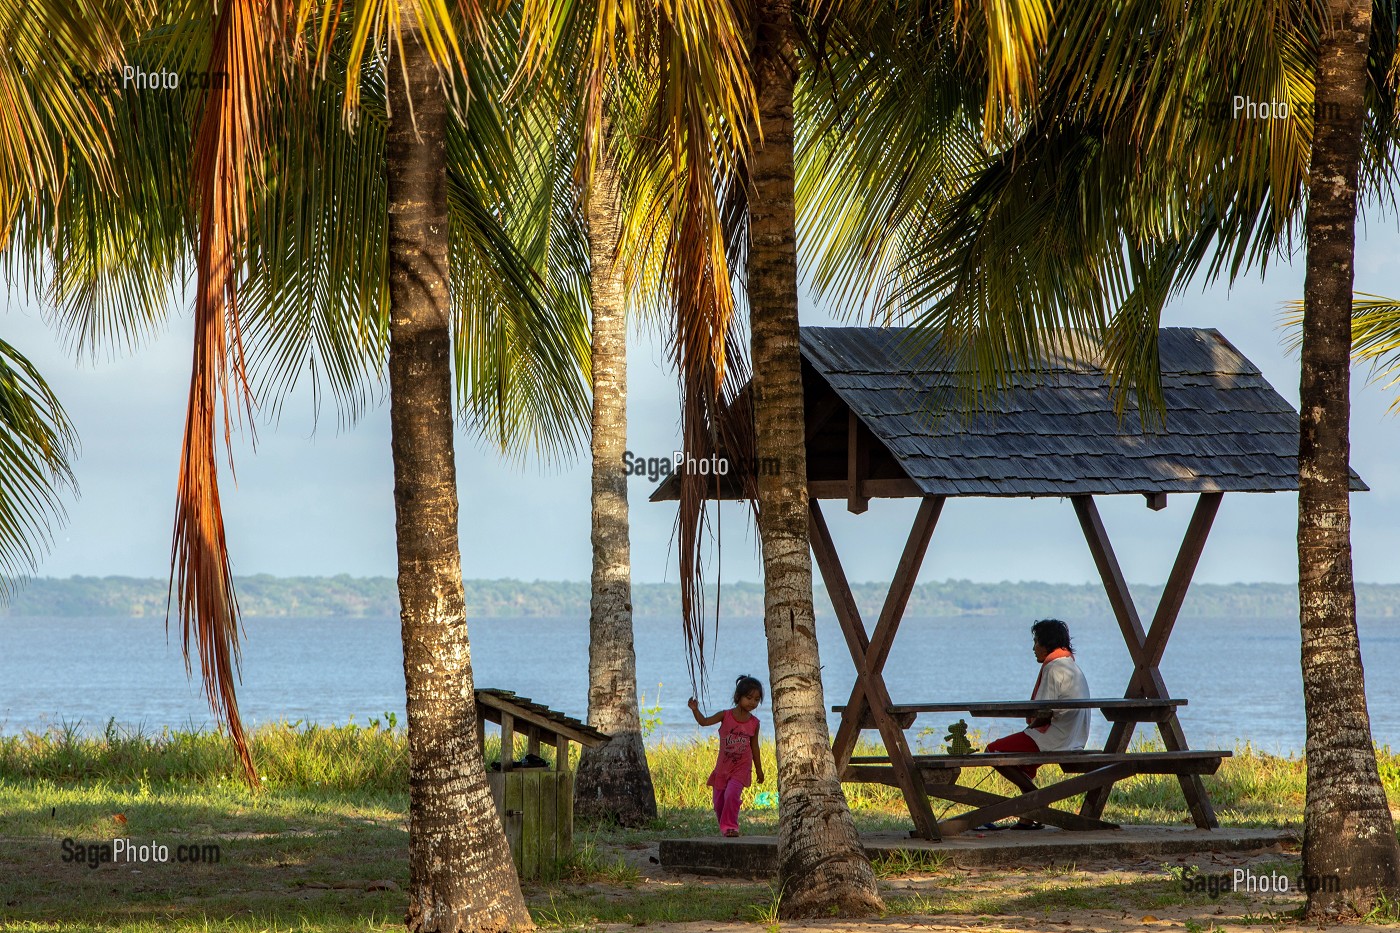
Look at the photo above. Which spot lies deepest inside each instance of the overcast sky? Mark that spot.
(311, 502)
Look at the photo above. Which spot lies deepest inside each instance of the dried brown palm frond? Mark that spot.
(228, 157)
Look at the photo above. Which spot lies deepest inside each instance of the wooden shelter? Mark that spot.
(870, 402)
(536, 804)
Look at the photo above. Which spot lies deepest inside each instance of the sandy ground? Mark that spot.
(1022, 900)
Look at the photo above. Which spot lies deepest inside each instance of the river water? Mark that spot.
(1241, 676)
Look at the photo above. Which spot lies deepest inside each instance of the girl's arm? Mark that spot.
(757, 761)
(694, 705)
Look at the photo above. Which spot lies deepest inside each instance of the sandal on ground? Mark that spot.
(1028, 824)
(731, 833)
(989, 827)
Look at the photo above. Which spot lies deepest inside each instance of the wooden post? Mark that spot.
(1146, 649)
(507, 740)
(869, 654)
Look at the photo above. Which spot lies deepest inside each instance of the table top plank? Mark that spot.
(1010, 708)
(1077, 757)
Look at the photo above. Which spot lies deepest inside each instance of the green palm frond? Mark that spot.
(313, 295)
(53, 57)
(1375, 337)
(359, 33)
(520, 261)
(36, 440)
(54, 132)
(315, 292)
(869, 174)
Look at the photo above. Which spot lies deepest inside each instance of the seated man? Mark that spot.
(1054, 730)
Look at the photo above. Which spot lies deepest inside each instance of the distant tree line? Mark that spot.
(377, 597)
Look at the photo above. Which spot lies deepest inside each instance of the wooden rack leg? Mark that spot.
(869, 654)
(507, 741)
(1147, 648)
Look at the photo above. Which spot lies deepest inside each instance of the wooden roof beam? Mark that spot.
(857, 463)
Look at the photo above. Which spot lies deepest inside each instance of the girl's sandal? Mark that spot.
(731, 833)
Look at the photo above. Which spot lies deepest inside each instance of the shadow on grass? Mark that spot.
(301, 860)
(1049, 894)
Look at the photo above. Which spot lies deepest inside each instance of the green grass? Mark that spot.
(323, 847)
(1251, 789)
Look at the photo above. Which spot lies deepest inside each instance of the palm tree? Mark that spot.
(1093, 206)
(679, 85)
(1348, 831)
(305, 246)
(461, 872)
(613, 781)
(820, 856)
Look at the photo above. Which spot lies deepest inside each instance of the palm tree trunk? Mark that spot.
(1348, 833)
(822, 867)
(614, 782)
(460, 875)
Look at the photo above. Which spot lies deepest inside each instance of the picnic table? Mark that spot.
(1094, 771)
(1145, 699)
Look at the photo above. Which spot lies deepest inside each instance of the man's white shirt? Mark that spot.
(1061, 679)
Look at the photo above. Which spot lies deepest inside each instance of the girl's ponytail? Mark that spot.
(744, 685)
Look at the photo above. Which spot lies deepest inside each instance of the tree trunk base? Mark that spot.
(472, 920)
(613, 783)
(836, 877)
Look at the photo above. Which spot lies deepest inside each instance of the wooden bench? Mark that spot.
(1097, 771)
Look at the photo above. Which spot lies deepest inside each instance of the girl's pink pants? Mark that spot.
(727, 804)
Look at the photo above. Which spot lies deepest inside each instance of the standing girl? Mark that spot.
(738, 750)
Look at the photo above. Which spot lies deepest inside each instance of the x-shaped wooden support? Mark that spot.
(981, 798)
(1020, 806)
(1147, 647)
(869, 652)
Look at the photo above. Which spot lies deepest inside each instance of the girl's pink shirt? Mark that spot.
(735, 754)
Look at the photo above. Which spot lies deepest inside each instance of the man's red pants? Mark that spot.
(1017, 742)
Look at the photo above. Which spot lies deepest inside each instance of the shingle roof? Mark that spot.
(492, 702)
(1056, 434)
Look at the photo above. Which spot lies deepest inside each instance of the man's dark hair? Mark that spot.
(1052, 634)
